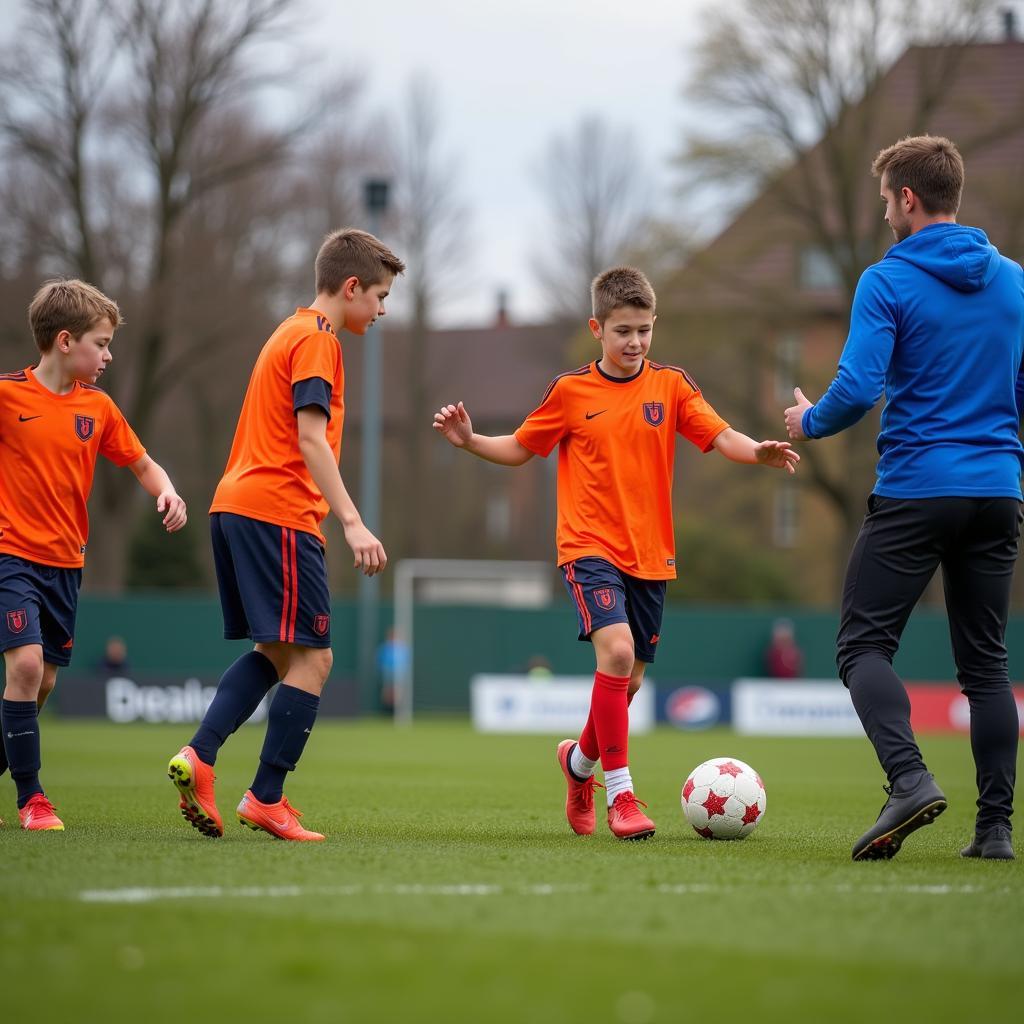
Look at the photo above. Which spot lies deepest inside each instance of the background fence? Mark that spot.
(180, 638)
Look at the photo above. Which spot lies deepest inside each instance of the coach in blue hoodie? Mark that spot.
(937, 326)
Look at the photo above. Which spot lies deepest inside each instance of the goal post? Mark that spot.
(502, 584)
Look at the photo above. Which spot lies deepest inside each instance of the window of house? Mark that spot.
(787, 367)
(817, 270)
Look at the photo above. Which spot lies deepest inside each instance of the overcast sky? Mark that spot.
(511, 74)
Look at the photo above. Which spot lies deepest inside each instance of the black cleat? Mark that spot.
(904, 812)
(992, 844)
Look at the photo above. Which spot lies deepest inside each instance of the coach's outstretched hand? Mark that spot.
(795, 416)
(454, 424)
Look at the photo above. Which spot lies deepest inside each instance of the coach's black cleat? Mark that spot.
(904, 812)
(992, 844)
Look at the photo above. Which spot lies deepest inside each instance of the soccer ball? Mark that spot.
(724, 799)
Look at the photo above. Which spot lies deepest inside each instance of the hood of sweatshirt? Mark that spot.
(959, 256)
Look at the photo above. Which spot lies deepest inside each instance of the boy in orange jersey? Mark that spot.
(54, 423)
(615, 422)
(281, 480)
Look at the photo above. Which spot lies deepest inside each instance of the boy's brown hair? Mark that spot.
(620, 286)
(67, 304)
(929, 165)
(353, 253)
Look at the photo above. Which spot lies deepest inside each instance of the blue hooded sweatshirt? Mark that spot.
(938, 326)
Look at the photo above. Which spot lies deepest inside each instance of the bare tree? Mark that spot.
(800, 82)
(48, 109)
(111, 160)
(595, 188)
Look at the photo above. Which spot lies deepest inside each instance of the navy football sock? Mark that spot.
(20, 721)
(291, 718)
(239, 693)
(3, 754)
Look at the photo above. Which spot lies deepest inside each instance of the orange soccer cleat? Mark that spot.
(38, 815)
(626, 820)
(579, 801)
(194, 780)
(281, 820)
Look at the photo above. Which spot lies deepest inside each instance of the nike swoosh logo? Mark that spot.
(279, 824)
(591, 415)
(25, 419)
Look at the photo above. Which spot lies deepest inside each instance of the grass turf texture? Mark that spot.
(450, 889)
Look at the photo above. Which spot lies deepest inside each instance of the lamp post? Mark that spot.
(375, 198)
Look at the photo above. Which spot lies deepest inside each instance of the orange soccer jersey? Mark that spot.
(616, 454)
(266, 477)
(48, 449)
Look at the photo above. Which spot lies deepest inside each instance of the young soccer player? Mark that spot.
(281, 480)
(615, 422)
(54, 422)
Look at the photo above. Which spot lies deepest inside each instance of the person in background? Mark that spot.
(392, 659)
(115, 656)
(783, 658)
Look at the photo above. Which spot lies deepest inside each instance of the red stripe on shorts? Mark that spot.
(581, 603)
(295, 592)
(285, 585)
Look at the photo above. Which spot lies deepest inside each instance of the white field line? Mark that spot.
(143, 894)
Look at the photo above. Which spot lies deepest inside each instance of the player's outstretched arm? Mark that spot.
(155, 480)
(370, 557)
(453, 423)
(740, 448)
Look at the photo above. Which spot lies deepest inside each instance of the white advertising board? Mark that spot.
(797, 707)
(553, 704)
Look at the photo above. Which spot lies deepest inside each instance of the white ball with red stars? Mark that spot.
(724, 798)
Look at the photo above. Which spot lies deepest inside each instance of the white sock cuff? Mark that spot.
(617, 781)
(582, 767)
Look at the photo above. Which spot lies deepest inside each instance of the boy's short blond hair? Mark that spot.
(929, 165)
(67, 304)
(353, 253)
(620, 286)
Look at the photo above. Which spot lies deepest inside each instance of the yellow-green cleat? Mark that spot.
(194, 778)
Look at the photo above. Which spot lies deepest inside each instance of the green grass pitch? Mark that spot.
(450, 889)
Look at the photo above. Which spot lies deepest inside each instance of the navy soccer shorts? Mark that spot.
(603, 595)
(272, 580)
(38, 604)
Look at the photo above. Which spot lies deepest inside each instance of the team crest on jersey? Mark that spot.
(84, 426)
(321, 623)
(17, 620)
(654, 413)
(605, 597)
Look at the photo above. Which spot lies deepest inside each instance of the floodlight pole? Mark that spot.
(375, 198)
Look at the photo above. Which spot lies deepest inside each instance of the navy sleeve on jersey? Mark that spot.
(313, 391)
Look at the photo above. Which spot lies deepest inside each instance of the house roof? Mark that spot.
(755, 260)
(499, 372)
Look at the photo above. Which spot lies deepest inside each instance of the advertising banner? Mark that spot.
(553, 704)
(798, 707)
(943, 708)
(692, 706)
(816, 707)
(159, 697)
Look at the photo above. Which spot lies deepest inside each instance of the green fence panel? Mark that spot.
(183, 633)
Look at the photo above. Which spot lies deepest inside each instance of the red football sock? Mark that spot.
(609, 710)
(588, 739)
